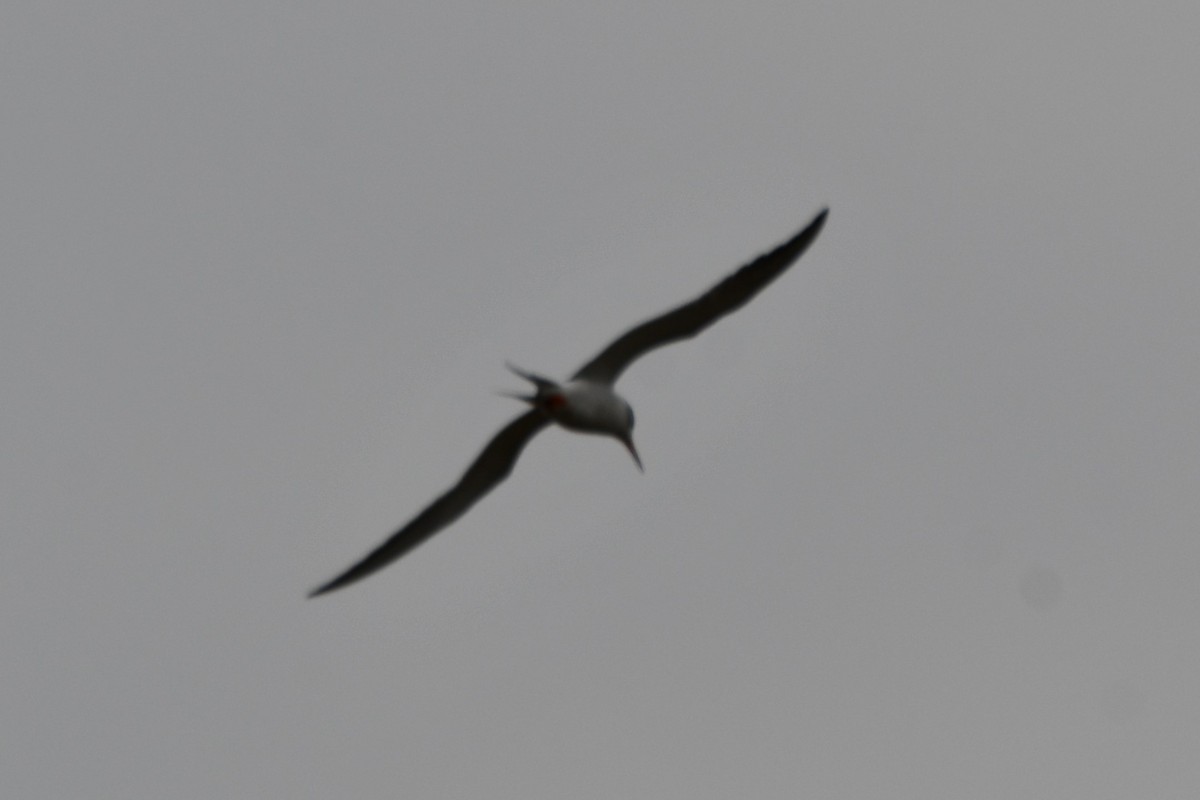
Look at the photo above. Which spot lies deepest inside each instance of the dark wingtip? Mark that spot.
(317, 592)
(806, 237)
(336, 583)
(785, 254)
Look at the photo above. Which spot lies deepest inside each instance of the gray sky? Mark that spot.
(920, 522)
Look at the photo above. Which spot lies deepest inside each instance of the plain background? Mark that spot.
(920, 522)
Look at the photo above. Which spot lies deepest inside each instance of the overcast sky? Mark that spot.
(919, 522)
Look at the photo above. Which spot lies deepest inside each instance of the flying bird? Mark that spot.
(586, 403)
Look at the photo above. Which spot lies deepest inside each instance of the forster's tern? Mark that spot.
(585, 403)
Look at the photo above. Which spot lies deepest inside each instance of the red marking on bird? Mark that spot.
(555, 401)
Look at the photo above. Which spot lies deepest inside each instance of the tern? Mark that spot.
(586, 403)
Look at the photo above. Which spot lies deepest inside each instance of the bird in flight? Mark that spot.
(586, 403)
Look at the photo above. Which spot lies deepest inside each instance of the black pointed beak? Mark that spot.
(627, 440)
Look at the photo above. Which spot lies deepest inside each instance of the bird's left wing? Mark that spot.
(490, 467)
(689, 319)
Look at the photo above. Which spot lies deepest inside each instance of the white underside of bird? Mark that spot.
(585, 406)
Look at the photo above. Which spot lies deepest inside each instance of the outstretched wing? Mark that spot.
(691, 318)
(492, 466)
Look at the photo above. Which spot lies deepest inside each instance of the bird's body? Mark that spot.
(587, 403)
(582, 405)
(590, 407)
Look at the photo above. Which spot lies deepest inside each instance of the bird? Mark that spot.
(586, 403)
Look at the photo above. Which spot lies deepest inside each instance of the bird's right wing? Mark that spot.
(691, 318)
(492, 466)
